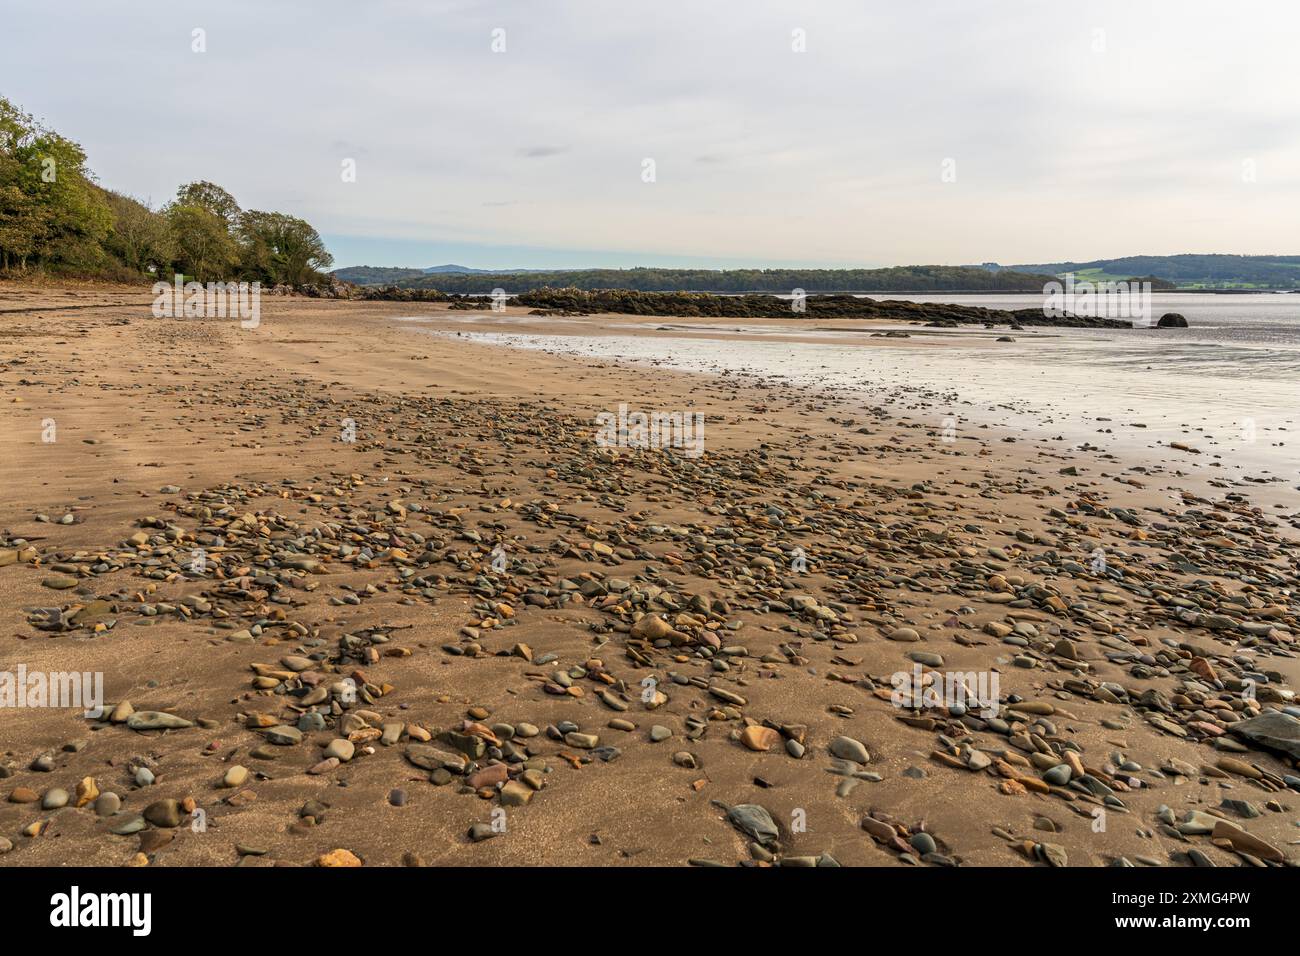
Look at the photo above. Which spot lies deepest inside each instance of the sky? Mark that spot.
(728, 133)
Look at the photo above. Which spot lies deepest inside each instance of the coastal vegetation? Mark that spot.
(56, 219)
(1184, 271)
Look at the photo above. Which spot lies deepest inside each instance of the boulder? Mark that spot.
(1272, 730)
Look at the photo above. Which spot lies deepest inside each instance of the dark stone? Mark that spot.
(1272, 730)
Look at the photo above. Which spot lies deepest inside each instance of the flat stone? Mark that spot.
(283, 735)
(759, 738)
(846, 748)
(755, 821)
(156, 720)
(489, 776)
(1272, 730)
(515, 794)
(340, 748)
(128, 827)
(1245, 842)
(428, 757)
(1198, 823)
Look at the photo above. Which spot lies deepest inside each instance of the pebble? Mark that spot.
(846, 748)
(759, 738)
(107, 804)
(156, 720)
(340, 749)
(164, 813)
(236, 776)
(338, 858)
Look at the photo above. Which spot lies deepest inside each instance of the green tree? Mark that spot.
(277, 248)
(54, 214)
(204, 247)
(212, 198)
(21, 218)
(140, 238)
(20, 223)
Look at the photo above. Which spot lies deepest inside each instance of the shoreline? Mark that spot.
(1186, 451)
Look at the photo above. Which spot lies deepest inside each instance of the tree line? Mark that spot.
(1188, 270)
(897, 279)
(56, 218)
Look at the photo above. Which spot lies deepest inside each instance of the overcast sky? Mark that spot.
(1075, 131)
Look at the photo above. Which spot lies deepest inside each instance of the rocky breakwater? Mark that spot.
(706, 305)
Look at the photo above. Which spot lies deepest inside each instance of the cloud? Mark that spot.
(1063, 147)
(541, 152)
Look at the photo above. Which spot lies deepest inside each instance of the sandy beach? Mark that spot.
(434, 621)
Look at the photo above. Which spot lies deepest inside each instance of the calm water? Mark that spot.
(1230, 335)
(1229, 385)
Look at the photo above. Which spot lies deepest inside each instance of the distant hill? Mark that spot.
(389, 275)
(1164, 272)
(1185, 271)
(453, 268)
(375, 275)
(897, 279)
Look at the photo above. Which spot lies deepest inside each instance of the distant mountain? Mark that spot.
(1186, 271)
(466, 270)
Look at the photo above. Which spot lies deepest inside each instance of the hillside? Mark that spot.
(1186, 271)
